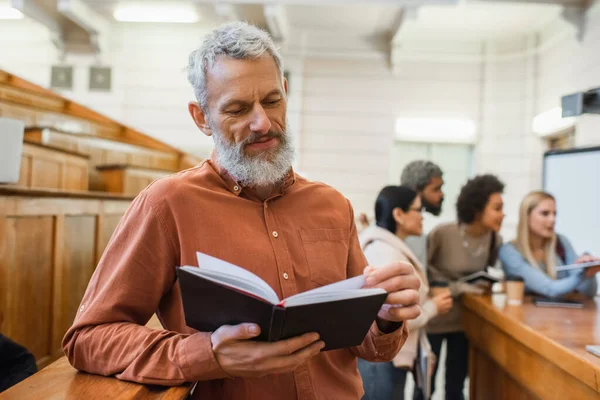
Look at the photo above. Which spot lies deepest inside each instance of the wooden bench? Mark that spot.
(127, 179)
(105, 151)
(49, 167)
(61, 381)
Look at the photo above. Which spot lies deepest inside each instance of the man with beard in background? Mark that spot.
(426, 179)
(246, 206)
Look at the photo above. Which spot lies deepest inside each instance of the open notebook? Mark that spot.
(219, 293)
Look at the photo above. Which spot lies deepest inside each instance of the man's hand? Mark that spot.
(240, 357)
(402, 285)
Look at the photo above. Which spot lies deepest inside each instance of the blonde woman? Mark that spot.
(397, 216)
(538, 250)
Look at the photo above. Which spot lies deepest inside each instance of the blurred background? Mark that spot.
(474, 86)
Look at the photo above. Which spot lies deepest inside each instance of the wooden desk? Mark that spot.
(529, 352)
(61, 381)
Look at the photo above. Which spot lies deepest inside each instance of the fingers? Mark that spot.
(368, 269)
(288, 363)
(400, 313)
(399, 282)
(377, 275)
(405, 298)
(443, 296)
(228, 333)
(289, 346)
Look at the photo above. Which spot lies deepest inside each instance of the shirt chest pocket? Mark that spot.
(326, 252)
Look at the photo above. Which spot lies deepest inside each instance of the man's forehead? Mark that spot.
(226, 69)
(230, 77)
(436, 181)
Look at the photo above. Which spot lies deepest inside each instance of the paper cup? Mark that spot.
(515, 290)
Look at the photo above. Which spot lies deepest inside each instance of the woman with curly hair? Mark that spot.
(456, 250)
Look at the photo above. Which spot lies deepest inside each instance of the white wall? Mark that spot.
(351, 100)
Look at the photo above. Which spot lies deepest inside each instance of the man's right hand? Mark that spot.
(241, 357)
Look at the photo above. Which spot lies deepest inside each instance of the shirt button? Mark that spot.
(285, 275)
(236, 188)
(275, 234)
(82, 308)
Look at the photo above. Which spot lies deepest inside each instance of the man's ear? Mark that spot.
(285, 85)
(199, 117)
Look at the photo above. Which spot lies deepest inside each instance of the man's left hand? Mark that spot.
(402, 285)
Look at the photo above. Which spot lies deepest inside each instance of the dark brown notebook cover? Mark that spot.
(343, 323)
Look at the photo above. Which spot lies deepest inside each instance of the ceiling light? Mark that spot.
(7, 12)
(140, 12)
(436, 130)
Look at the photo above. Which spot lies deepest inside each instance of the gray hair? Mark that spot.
(417, 174)
(237, 40)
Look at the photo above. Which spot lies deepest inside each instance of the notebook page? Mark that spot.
(312, 297)
(215, 268)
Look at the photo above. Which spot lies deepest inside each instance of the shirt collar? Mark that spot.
(234, 187)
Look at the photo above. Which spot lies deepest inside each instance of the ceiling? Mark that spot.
(358, 19)
(457, 20)
(478, 21)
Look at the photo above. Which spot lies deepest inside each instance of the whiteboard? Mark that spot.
(573, 178)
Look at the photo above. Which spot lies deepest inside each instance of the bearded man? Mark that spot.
(246, 206)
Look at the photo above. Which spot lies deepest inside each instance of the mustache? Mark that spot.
(256, 137)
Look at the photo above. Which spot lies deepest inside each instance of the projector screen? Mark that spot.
(573, 177)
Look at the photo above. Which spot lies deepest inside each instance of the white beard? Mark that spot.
(257, 170)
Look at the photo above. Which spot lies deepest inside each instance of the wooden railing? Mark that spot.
(61, 381)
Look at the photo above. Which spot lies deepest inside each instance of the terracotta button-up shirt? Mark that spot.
(301, 238)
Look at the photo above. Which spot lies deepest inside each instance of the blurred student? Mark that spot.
(456, 250)
(398, 215)
(538, 250)
(16, 363)
(426, 179)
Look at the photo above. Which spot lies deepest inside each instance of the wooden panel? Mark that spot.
(113, 180)
(26, 264)
(46, 173)
(25, 172)
(490, 382)
(46, 167)
(135, 183)
(21, 97)
(21, 113)
(48, 251)
(140, 159)
(76, 177)
(165, 162)
(128, 180)
(109, 224)
(73, 271)
(34, 136)
(114, 157)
